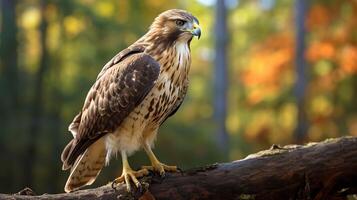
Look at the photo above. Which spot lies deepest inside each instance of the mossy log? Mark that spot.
(324, 170)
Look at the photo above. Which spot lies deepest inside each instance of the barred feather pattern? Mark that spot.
(135, 92)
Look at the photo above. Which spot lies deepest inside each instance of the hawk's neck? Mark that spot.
(173, 56)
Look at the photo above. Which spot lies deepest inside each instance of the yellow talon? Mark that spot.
(160, 168)
(129, 174)
(156, 165)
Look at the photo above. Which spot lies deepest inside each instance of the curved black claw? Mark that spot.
(162, 174)
(140, 188)
(113, 185)
(179, 170)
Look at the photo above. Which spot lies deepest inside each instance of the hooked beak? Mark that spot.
(196, 31)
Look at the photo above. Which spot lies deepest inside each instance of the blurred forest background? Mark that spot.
(264, 72)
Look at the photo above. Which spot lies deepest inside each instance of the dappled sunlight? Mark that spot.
(30, 18)
(73, 25)
(104, 9)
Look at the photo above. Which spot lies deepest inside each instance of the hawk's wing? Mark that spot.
(120, 87)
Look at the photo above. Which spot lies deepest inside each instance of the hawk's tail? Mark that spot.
(87, 167)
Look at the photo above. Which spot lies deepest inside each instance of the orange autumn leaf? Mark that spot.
(320, 50)
(264, 66)
(318, 16)
(348, 59)
(267, 61)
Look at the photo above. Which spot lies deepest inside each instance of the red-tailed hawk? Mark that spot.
(135, 92)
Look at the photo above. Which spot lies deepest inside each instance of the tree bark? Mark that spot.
(8, 59)
(9, 86)
(301, 79)
(325, 170)
(37, 104)
(220, 75)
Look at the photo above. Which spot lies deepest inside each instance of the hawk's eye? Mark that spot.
(180, 22)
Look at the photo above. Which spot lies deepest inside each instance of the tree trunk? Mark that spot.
(325, 170)
(37, 104)
(8, 60)
(300, 85)
(9, 85)
(220, 76)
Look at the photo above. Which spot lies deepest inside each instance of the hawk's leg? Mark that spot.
(156, 165)
(129, 175)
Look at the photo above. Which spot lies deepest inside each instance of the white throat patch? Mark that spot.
(183, 53)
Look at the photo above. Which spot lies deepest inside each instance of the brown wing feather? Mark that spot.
(117, 91)
(120, 56)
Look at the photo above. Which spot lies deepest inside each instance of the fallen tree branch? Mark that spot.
(325, 170)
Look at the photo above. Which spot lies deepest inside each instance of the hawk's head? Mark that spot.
(175, 25)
